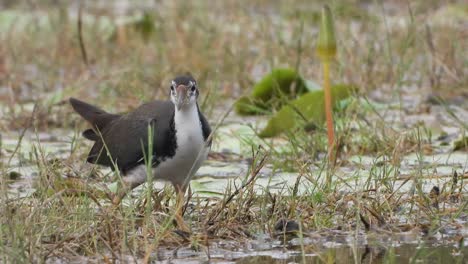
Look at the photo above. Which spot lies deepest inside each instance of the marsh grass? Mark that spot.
(68, 217)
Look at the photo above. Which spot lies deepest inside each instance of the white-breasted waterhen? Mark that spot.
(181, 140)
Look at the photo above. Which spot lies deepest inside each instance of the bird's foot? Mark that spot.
(183, 234)
(182, 229)
(181, 225)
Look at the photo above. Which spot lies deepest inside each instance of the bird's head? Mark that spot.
(184, 92)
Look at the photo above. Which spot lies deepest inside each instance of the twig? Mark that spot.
(80, 36)
(109, 247)
(22, 134)
(253, 176)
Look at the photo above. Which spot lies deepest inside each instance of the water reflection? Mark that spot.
(402, 254)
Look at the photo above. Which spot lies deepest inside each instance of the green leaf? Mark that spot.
(461, 144)
(249, 106)
(145, 26)
(281, 82)
(309, 107)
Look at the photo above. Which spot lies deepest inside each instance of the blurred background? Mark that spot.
(405, 51)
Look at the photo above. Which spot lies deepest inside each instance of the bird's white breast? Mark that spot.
(191, 149)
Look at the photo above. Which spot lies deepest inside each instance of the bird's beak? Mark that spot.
(182, 97)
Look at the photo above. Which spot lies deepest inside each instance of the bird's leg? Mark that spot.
(180, 192)
(130, 181)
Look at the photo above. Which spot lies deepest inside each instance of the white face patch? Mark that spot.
(187, 100)
(191, 84)
(193, 91)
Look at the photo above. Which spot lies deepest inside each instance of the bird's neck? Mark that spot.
(187, 117)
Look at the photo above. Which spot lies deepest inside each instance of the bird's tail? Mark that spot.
(98, 118)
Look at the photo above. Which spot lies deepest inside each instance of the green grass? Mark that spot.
(229, 46)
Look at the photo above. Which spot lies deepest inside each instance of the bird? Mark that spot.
(181, 140)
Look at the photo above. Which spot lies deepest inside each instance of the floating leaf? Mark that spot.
(280, 82)
(312, 86)
(282, 79)
(249, 106)
(461, 144)
(201, 189)
(143, 25)
(113, 187)
(309, 107)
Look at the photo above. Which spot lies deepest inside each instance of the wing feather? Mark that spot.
(126, 138)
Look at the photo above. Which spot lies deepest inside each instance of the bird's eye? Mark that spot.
(193, 88)
(173, 86)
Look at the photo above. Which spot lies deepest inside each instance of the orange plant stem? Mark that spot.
(328, 108)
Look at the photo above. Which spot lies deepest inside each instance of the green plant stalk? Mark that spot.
(149, 167)
(326, 50)
(328, 109)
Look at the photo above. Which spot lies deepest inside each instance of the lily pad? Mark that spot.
(143, 25)
(281, 82)
(309, 107)
(461, 144)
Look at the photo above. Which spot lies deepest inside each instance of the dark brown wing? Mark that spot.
(126, 138)
(206, 129)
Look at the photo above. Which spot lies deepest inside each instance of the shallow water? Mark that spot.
(429, 250)
(375, 246)
(215, 175)
(402, 254)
